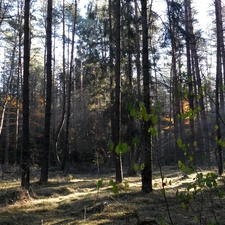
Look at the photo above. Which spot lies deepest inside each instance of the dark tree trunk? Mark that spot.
(117, 104)
(47, 125)
(189, 70)
(219, 92)
(138, 64)
(25, 166)
(146, 173)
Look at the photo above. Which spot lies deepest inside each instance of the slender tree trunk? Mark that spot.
(6, 158)
(219, 84)
(19, 75)
(138, 64)
(66, 145)
(62, 121)
(3, 113)
(9, 88)
(47, 126)
(111, 67)
(175, 86)
(189, 69)
(25, 167)
(117, 122)
(146, 173)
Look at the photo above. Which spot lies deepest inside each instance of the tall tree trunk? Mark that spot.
(146, 173)
(196, 71)
(138, 64)
(219, 29)
(62, 121)
(117, 109)
(19, 75)
(189, 69)
(10, 94)
(175, 85)
(111, 67)
(25, 167)
(6, 158)
(66, 145)
(47, 125)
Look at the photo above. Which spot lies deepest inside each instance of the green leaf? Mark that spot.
(154, 119)
(183, 205)
(209, 184)
(133, 113)
(111, 182)
(180, 163)
(141, 104)
(199, 176)
(134, 141)
(114, 187)
(195, 218)
(181, 166)
(153, 131)
(223, 143)
(142, 166)
(126, 186)
(220, 194)
(216, 127)
(121, 148)
(135, 167)
(203, 157)
(195, 143)
(100, 183)
(179, 142)
(111, 146)
(190, 169)
(146, 117)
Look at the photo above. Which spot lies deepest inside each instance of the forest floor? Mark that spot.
(76, 199)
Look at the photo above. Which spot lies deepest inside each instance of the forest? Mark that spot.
(125, 94)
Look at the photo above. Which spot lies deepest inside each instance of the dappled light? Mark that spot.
(76, 199)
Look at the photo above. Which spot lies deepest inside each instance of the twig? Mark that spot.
(115, 200)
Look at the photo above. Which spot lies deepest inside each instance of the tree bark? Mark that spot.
(146, 173)
(25, 167)
(117, 105)
(219, 29)
(47, 125)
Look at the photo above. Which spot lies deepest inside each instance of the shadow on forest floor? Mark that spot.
(75, 199)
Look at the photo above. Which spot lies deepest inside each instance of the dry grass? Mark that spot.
(74, 199)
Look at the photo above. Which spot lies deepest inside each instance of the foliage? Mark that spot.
(200, 189)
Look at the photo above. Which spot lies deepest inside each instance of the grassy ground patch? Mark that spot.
(76, 199)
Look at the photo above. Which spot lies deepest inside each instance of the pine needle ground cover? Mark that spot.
(77, 199)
